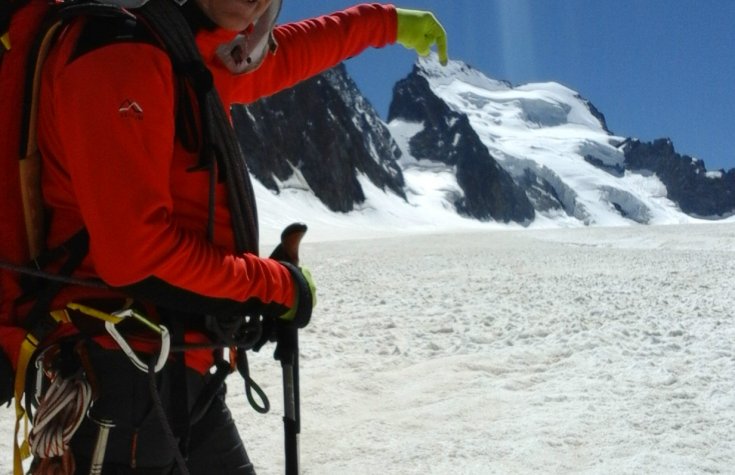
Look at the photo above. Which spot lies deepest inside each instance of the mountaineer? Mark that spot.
(149, 212)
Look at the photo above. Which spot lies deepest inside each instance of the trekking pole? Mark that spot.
(287, 352)
(288, 342)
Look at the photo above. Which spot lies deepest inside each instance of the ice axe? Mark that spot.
(287, 352)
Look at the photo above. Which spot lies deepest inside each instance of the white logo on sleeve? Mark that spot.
(130, 109)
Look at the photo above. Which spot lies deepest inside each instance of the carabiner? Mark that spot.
(160, 329)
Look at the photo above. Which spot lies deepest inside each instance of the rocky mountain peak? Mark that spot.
(322, 136)
(483, 148)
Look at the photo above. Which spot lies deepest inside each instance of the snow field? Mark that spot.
(550, 351)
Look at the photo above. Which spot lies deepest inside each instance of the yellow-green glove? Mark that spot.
(420, 30)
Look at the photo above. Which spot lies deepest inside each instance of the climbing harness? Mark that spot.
(70, 398)
(64, 402)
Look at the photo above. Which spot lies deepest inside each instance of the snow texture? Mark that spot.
(553, 351)
(585, 350)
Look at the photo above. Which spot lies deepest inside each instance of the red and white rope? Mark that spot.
(60, 412)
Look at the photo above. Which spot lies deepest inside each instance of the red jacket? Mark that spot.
(112, 163)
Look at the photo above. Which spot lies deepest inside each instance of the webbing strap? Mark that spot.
(37, 321)
(36, 60)
(30, 163)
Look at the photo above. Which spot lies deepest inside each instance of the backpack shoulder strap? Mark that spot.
(30, 158)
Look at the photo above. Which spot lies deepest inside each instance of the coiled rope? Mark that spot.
(60, 413)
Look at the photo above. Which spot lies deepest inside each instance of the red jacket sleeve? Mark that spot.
(309, 47)
(114, 145)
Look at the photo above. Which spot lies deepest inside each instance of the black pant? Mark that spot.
(137, 443)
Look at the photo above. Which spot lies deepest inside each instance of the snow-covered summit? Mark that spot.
(430, 68)
(540, 104)
(553, 142)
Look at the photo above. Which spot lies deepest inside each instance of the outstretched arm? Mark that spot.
(309, 47)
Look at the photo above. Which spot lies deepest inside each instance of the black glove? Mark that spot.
(297, 316)
(287, 253)
(305, 300)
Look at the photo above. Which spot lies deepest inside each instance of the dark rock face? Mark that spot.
(447, 137)
(596, 113)
(325, 131)
(614, 170)
(687, 181)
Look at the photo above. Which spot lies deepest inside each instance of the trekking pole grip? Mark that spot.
(288, 249)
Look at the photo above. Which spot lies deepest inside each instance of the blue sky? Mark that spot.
(655, 68)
